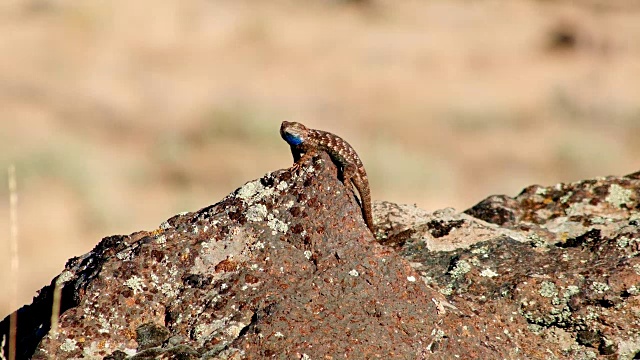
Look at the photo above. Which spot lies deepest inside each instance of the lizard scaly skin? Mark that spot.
(305, 143)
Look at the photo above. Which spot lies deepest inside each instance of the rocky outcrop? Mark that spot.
(285, 267)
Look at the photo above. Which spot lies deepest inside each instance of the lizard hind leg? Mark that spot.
(348, 173)
(348, 177)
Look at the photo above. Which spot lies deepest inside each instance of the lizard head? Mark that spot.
(293, 133)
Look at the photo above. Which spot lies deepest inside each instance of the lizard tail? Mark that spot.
(365, 201)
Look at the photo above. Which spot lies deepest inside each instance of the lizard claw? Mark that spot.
(297, 167)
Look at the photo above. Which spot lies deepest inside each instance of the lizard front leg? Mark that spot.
(301, 160)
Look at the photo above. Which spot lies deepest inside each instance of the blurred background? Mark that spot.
(119, 114)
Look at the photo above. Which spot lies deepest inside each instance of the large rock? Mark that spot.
(285, 267)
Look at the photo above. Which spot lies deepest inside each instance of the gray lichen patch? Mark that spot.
(599, 287)
(253, 192)
(548, 289)
(276, 225)
(578, 208)
(570, 291)
(256, 213)
(555, 315)
(488, 273)
(461, 268)
(69, 345)
(161, 239)
(203, 331)
(618, 195)
(214, 251)
(634, 290)
(135, 283)
(282, 186)
(629, 348)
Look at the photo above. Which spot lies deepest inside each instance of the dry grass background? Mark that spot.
(118, 114)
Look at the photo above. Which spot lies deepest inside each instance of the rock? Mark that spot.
(285, 267)
(151, 335)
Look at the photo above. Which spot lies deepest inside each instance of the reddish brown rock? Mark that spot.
(285, 267)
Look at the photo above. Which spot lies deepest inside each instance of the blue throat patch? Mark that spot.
(292, 139)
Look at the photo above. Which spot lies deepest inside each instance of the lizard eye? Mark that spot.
(292, 139)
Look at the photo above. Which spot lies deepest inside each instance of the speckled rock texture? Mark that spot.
(285, 268)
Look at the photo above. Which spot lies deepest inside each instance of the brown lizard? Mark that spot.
(305, 143)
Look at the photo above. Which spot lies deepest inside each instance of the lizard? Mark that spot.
(305, 143)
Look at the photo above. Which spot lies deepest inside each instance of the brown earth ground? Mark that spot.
(120, 114)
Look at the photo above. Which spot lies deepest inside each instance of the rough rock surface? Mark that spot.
(286, 268)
